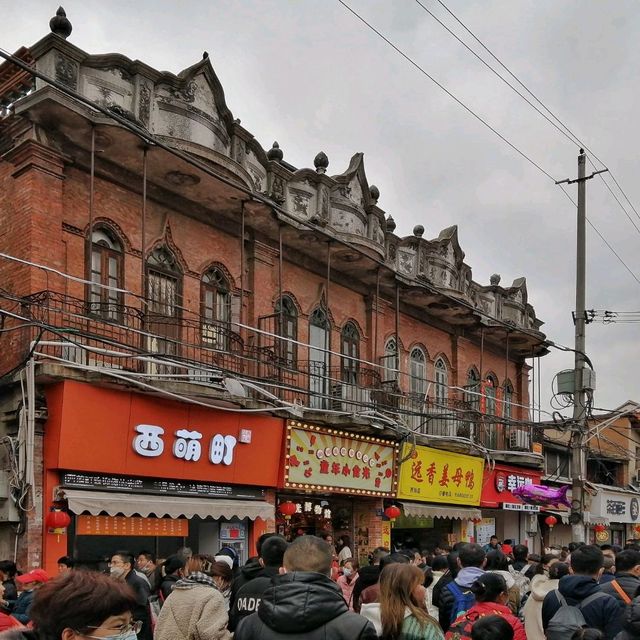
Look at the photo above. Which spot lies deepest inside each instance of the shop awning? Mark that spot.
(96, 502)
(422, 510)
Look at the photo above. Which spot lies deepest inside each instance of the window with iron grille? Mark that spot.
(442, 381)
(106, 275)
(418, 372)
(490, 393)
(216, 308)
(472, 395)
(389, 361)
(507, 405)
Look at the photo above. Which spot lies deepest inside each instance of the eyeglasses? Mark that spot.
(135, 626)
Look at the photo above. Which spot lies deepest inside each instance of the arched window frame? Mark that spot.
(390, 360)
(350, 347)
(319, 360)
(215, 307)
(105, 266)
(286, 315)
(491, 389)
(418, 372)
(507, 404)
(441, 375)
(164, 283)
(473, 388)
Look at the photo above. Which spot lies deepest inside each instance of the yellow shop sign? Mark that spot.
(432, 475)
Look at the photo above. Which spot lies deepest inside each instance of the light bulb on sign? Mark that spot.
(245, 436)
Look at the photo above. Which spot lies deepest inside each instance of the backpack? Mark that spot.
(463, 600)
(461, 628)
(568, 618)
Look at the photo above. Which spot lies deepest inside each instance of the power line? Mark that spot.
(443, 88)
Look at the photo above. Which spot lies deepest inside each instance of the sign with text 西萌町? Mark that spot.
(432, 475)
(329, 460)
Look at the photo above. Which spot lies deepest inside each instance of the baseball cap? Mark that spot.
(37, 575)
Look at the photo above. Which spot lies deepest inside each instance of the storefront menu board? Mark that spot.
(158, 487)
(329, 460)
(123, 526)
(432, 475)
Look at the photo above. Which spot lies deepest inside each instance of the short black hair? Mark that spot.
(491, 628)
(261, 540)
(488, 587)
(67, 561)
(574, 545)
(627, 559)
(148, 555)
(558, 570)
(126, 556)
(9, 567)
(508, 541)
(172, 564)
(393, 558)
(520, 552)
(587, 560)
(272, 551)
(493, 538)
(471, 555)
(497, 561)
(439, 563)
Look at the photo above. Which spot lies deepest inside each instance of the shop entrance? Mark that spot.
(421, 533)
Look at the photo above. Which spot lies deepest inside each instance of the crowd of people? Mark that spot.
(314, 589)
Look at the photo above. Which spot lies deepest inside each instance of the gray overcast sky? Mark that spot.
(311, 76)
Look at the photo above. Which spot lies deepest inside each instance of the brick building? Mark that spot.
(151, 248)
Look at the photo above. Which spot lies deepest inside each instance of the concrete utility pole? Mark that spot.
(579, 436)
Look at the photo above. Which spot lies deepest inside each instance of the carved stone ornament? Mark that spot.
(66, 71)
(495, 279)
(144, 110)
(277, 190)
(275, 153)
(300, 204)
(60, 24)
(188, 93)
(324, 210)
(321, 162)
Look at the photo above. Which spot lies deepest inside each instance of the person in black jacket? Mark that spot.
(303, 602)
(121, 568)
(172, 571)
(8, 572)
(602, 613)
(368, 576)
(249, 595)
(627, 577)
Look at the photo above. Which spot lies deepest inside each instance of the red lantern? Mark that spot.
(287, 509)
(477, 520)
(392, 512)
(599, 528)
(57, 521)
(551, 521)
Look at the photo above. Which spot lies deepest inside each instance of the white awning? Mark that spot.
(97, 502)
(422, 510)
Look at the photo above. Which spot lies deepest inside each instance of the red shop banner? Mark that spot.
(499, 482)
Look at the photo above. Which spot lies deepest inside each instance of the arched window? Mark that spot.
(491, 387)
(106, 269)
(390, 361)
(319, 345)
(442, 381)
(287, 328)
(418, 372)
(351, 348)
(215, 296)
(473, 389)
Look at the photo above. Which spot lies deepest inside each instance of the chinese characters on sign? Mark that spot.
(187, 446)
(123, 526)
(325, 459)
(437, 476)
(500, 481)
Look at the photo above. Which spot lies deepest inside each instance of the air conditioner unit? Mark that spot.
(520, 439)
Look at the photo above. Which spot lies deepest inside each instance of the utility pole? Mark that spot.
(579, 436)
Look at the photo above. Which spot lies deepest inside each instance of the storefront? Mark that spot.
(337, 481)
(439, 493)
(616, 511)
(503, 514)
(140, 472)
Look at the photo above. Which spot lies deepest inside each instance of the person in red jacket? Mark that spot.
(491, 595)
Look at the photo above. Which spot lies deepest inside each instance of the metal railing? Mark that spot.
(203, 351)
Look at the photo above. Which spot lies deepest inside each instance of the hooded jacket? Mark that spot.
(532, 610)
(304, 604)
(193, 611)
(602, 613)
(631, 621)
(630, 585)
(465, 578)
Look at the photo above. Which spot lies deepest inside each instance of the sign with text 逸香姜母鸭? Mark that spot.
(329, 460)
(432, 475)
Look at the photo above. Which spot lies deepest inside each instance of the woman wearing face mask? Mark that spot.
(344, 549)
(222, 575)
(348, 580)
(80, 605)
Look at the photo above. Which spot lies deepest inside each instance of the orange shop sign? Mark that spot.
(329, 460)
(124, 526)
(116, 432)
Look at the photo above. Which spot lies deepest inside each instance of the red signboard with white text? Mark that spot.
(498, 483)
(116, 432)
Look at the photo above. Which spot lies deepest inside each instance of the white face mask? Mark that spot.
(117, 572)
(130, 635)
(347, 572)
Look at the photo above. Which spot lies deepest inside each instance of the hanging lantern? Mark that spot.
(57, 521)
(392, 512)
(599, 528)
(287, 509)
(551, 521)
(477, 521)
